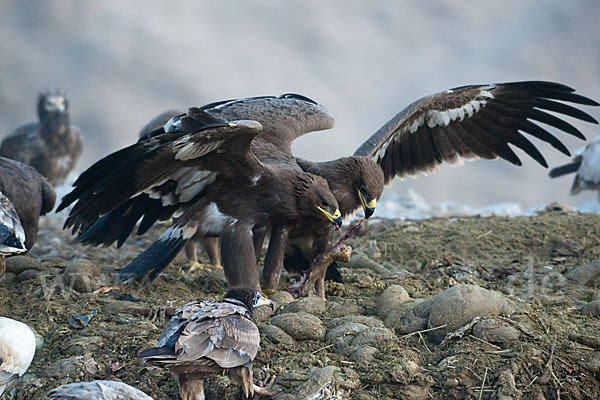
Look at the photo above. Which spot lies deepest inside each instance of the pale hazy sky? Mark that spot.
(124, 62)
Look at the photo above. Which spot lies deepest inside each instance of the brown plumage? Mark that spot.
(470, 122)
(207, 338)
(30, 194)
(97, 390)
(210, 245)
(52, 146)
(205, 172)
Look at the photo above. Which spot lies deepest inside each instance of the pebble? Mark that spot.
(118, 306)
(494, 330)
(27, 274)
(359, 319)
(300, 326)
(453, 308)
(77, 346)
(567, 247)
(263, 313)
(592, 308)
(343, 308)
(276, 335)
(410, 317)
(360, 260)
(459, 304)
(390, 299)
(310, 305)
(362, 355)
(374, 336)
(84, 276)
(414, 392)
(281, 298)
(316, 383)
(18, 264)
(584, 275)
(346, 332)
(72, 368)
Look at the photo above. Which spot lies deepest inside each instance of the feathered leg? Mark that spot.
(2, 267)
(191, 387)
(239, 261)
(274, 258)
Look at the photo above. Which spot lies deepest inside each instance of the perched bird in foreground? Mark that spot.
(97, 390)
(30, 194)
(207, 338)
(17, 347)
(52, 146)
(206, 174)
(586, 165)
(12, 235)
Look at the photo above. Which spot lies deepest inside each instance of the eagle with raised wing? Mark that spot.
(207, 338)
(205, 173)
(468, 122)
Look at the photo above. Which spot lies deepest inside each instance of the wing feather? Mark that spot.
(145, 166)
(476, 121)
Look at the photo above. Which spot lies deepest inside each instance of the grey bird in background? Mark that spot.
(52, 146)
(586, 166)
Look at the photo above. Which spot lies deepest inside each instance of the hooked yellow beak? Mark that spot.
(368, 207)
(335, 219)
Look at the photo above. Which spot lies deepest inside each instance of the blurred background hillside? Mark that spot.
(121, 63)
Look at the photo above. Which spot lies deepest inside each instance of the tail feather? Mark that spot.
(154, 259)
(565, 169)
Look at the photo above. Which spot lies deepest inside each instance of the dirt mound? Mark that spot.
(547, 347)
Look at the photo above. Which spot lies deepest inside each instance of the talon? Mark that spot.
(196, 265)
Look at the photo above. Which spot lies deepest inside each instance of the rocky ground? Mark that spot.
(452, 308)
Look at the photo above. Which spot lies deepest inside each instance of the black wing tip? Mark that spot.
(156, 351)
(297, 96)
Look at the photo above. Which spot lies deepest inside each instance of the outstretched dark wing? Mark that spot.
(471, 122)
(174, 168)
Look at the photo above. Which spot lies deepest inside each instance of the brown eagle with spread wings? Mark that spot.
(203, 171)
